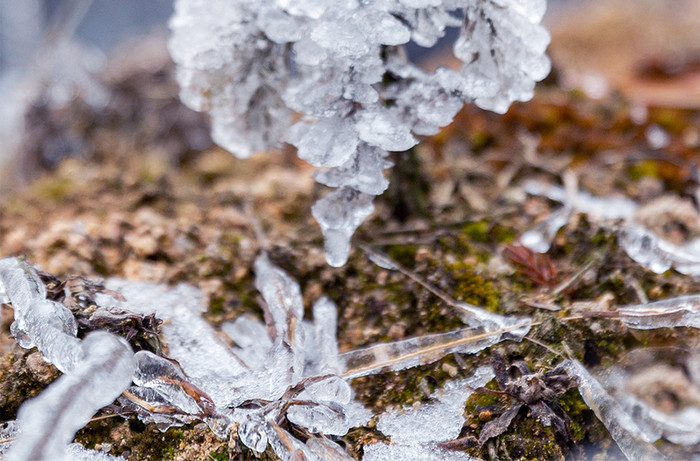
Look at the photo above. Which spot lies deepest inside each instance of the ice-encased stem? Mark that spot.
(41, 323)
(406, 353)
(683, 311)
(50, 420)
(208, 363)
(635, 442)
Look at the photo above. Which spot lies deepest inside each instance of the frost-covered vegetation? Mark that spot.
(340, 65)
(272, 374)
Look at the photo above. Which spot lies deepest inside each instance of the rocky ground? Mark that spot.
(136, 190)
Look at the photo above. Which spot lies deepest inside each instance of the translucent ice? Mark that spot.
(415, 432)
(650, 371)
(322, 418)
(41, 323)
(341, 66)
(208, 363)
(339, 214)
(428, 348)
(540, 238)
(50, 421)
(640, 243)
(166, 378)
(657, 254)
(634, 441)
(683, 311)
(325, 326)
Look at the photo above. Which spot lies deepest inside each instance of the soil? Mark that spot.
(145, 195)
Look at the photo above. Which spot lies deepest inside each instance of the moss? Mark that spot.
(18, 382)
(403, 254)
(54, 188)
(219, 456)
(471, 287)
(477, 231)
(404, 387)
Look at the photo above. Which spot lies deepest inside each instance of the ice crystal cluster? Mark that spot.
(331, 77)
(285, 376)
(282, 377)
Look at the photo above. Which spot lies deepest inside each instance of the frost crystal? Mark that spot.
(415, 432)
(340, 65)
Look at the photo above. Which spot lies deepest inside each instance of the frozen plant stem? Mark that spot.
(340, 65)
(50, 421)
(96, 370)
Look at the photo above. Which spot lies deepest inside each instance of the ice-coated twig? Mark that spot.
(50, 421)
(416, 432)
(473, 316)
(683, 311)
(634, 441)
(657, 254)
(411, 352)
(46, 325)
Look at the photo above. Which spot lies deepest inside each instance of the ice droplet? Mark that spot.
(339, 214)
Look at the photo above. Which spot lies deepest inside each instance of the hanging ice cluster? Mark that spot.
(341, 67)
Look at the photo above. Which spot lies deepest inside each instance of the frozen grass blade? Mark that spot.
(420, 350)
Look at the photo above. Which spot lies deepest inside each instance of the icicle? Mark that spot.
(50, 421)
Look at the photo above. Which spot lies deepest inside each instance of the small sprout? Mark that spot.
(537, 267)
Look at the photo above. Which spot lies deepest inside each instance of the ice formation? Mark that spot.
(683, 311)
(650, 370)
(286, 369)
(96, 369)
(340, 65)
(76, 452)
(640, 243)
(633, 438)
(438, 421)
(50, 420)
(424, 349)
